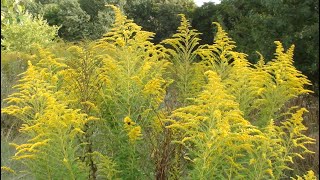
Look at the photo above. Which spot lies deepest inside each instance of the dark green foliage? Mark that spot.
(79, 19)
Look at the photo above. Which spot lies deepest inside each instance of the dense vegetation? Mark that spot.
(253, 24)
(124, 103)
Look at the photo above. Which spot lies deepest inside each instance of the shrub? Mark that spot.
(20, 30)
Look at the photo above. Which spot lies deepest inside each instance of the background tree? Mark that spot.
(79, 19)
(20, 30)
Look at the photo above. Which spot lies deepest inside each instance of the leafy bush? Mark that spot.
(21, 30)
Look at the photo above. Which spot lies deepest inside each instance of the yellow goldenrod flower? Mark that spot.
(5, 168)
(24, 157)
(217, 114)
(135, 133)
(260, 90)
(127, 120)
(41, 143)
(270, 172)
(252, 161)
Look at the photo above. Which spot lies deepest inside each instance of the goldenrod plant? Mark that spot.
(309, 176)
(35, 91)
(284, 83)
(212, 128)
(82, 84)
(122, 107)
(232, 79)
(187, 74)
(132, 71)
(279, 146)
(49, 124)
(222, 58)
(54, 129)
(106, 168)
(51, 151)
(82, 81)
(134, 132)
(260, 89)
(134, 87)
(218, 56)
